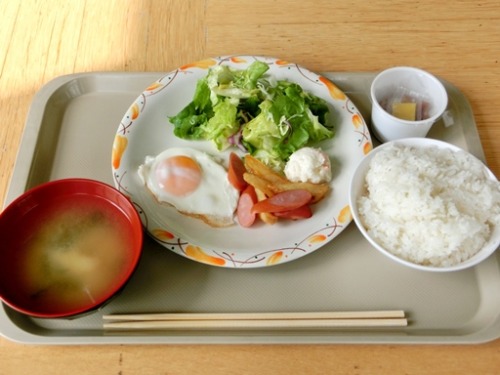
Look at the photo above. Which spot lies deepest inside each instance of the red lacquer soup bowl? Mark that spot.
(67, 247)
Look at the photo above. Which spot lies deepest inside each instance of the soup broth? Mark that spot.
(76, 257)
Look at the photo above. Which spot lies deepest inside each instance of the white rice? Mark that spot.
(430, 206)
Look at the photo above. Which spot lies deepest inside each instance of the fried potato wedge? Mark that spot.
(258, 168)
(259, 183)
(270, 182)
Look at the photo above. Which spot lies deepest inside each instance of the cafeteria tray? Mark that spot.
(69, 133)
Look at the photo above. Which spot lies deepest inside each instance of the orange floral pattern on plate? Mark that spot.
(162, 234)
(335, 92)
(119, 146)
(202, 64)
(345, 215)
(238, 60)
(196, 253)
(317, 238)
(275, 258)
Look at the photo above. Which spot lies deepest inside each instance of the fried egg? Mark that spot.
(192, 182)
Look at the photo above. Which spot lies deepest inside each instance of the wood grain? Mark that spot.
(40, 40)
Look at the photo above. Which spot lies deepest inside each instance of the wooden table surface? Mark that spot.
(40, 40)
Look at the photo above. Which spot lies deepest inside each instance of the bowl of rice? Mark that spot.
(427, 204)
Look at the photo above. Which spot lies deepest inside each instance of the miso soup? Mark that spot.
(77, 256)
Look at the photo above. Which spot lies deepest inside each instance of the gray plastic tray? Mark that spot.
(69, 133)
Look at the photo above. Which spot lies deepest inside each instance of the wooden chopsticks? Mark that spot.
(249, 321)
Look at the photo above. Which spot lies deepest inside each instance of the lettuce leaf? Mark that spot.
(216, 108)
(239, 84)
(274, 119)
(285, 124)
(222, 125)
(187, 122)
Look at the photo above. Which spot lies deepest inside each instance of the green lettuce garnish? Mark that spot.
(268, 119)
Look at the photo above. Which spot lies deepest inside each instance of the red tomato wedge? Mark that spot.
(235, 172)
(284, 201)
(247, 200)
(303, 212)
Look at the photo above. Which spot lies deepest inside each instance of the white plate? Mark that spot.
(145, 130)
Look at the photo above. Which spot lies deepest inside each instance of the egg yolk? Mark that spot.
(178, 175)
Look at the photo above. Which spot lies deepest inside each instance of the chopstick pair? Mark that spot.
(264, 321)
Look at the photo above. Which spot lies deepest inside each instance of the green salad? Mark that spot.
(267, 118)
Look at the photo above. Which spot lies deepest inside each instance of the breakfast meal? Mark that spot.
(430, 206)
(74, 257)
(272, 124)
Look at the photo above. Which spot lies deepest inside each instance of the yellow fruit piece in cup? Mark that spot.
(405, 111)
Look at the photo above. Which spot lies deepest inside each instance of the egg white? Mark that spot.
(215, 196)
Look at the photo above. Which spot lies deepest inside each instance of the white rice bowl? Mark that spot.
(427, 204)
